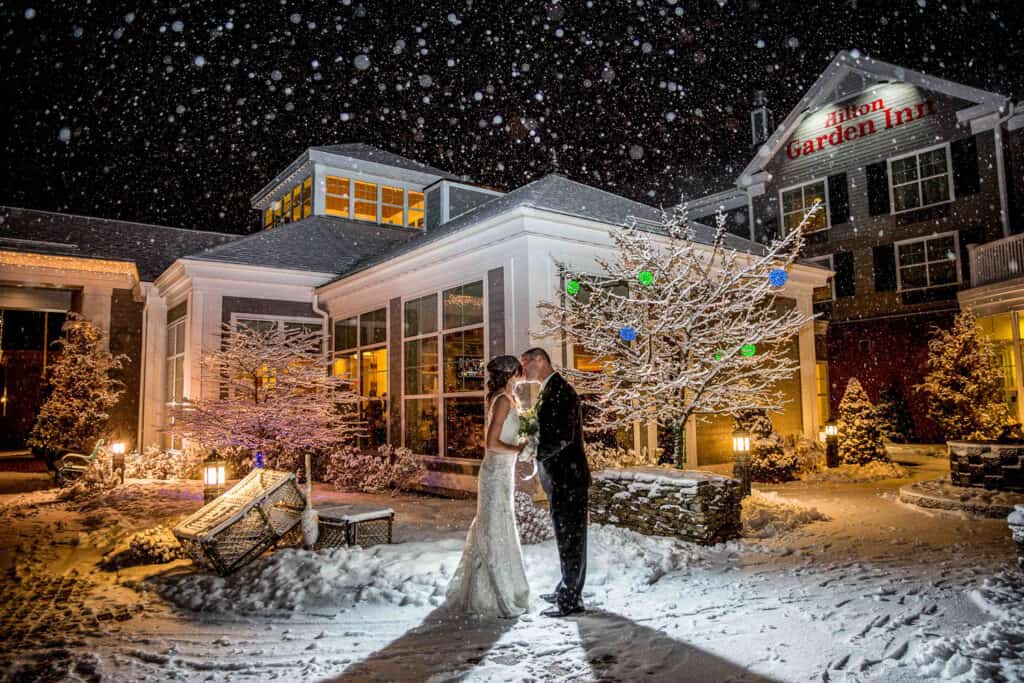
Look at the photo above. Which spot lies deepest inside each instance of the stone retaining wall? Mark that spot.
(988, 465)
(701, 507)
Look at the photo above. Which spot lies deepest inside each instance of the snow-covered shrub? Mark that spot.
(388, 468)
(964, 385)
(533, 522)
(895, 421)
(809, 454)
(871, 471)
(156, 545)
(770, 460)
(767, 514)
(156, 463)
(860, 441)
(98, 478)
(603, 457)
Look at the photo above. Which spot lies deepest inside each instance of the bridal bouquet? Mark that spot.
(529, 428)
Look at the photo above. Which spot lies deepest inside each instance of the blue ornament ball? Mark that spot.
(778, 277)
(627, 334)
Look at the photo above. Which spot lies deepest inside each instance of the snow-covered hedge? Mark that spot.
(602, 457)
(389, 468)
(98, 478)
(156, 463)
(149, 546)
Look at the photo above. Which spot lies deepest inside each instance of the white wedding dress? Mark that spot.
(491, 578)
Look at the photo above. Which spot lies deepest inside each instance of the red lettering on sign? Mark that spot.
(865, 126)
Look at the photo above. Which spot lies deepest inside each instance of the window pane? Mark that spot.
(277, 213)
(366, 201)
(374, 374)
(464, 305)
(792, 200)
(416, 209)
(336, 198)
(374, 415)
(814, 193)
(179, 338)
(820, 219)
(345, 366)
(268, 217)
(464, 427)
(942, 273)
(421, 366)
(933, 162)
(792, 221)
(906, 197)
(421, 316)
(296, 202)
(464, 361)
(179, 378)
(935, 190)
(345, 334)
(913, 277)
(904, 170)
(169, 380)
(823, 293)
(286, 208)
(391, 214)
(307, 196)
(942, 248)
(421, 425)
(373, 328)
(584, 360)
(911, 253)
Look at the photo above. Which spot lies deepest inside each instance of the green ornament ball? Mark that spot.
(748, 350)
(572, 287)
(646, 278)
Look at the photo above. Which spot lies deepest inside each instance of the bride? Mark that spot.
(491, 578)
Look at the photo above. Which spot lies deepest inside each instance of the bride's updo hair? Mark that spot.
(499, 371)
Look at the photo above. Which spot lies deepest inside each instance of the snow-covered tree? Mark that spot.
(895, 421)
(860, 440)
(679, 327)
(273, 391)
(82, 390)
(964, 383)
(770, 460)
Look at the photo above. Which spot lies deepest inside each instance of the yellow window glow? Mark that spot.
(296, 202)
(415, 209)
(286, 208)
(336, 197)
(268, 217)
(391, 209)
(307, 196)
(366, 201)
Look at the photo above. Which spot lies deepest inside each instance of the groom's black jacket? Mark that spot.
(560, 445)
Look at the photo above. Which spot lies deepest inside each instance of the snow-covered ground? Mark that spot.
(834, 581)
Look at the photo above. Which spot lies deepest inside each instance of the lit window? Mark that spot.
(297, 202)
(337, 196)
(797, 201)
(920, 179)
(286, 208)
(391, 201)
(821, 382)
(366, 201)
(268, 217)
(928, 262)
(277, 214)
(307, 196)
(415, 209)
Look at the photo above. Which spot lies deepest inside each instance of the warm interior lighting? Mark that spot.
(416, 210)
(391, 206)
(336, 197)
(366, 201)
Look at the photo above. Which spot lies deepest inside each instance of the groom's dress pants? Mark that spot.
(569, 516)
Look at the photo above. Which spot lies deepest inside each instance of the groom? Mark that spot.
(565, 476)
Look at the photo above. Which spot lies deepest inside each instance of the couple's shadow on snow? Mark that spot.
(448, 647)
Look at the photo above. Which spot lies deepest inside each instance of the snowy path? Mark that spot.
(866, 596)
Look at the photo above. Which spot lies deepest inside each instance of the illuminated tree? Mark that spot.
(678, 327)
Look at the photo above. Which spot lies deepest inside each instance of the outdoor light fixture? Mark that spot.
(213, 478)
(831, 444)
(741, 463)
(117, 449)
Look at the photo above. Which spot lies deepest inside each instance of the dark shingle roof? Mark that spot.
(321, 244)
(358, 150)
(557, 194)
(151, 247)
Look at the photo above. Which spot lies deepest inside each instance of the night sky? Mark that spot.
(177, 116)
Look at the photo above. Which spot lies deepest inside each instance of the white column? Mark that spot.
(692, 459)
(810, 419)
(152, 386)
(96, 307)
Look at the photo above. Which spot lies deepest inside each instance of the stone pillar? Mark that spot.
(96, 308)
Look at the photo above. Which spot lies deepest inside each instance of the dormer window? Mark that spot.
(365, 208)
(366, 201)
(337, 196)
(294, 205)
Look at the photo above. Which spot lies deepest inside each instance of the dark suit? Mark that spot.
(565, 477)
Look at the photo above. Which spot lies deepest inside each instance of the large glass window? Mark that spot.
(821, 382)
(365, 206)
(268, 217)
(458, 355)
(175, 384)
(416, 210)
(392, 209)
(360, 354)
(998, 329)
(928, 262)
(286, 208)
(297, 203)
(797, 201)
(921, 179)
(336, 198)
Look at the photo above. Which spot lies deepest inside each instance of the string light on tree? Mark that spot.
(778, 277)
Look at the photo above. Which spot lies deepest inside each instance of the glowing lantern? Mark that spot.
(741, 462)
(213, 478)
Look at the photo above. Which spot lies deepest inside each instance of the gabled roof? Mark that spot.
(320, 244)
(556, 194)
(152, 248)
(364, 152)
(835, 84)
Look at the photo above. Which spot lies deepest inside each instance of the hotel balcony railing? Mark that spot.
(996, 261)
